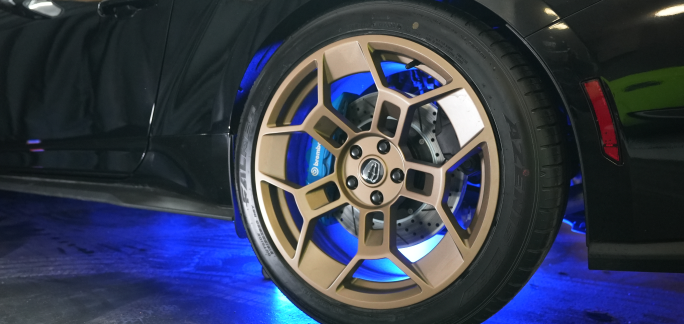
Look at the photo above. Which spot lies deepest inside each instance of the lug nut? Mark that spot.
(376, 197)
(397, 175)
(352, 182)
(383, 147)
(355, 152)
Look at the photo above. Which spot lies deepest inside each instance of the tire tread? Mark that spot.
(552, 197)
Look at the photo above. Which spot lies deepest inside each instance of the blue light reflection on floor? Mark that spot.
(137, 265)
(284, 311)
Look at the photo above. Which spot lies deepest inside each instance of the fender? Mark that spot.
(633, 216)
(216, 50)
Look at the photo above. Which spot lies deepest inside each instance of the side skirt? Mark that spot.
(127, 195)
(649, 257)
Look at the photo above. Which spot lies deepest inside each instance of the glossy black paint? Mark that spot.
(118, 192)
(77, 90)
(207, 73)
(638, 57)
(196, 166)
(211, 44)
(528, 16)
(206, 77)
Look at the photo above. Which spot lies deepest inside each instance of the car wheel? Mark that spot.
(400, 162)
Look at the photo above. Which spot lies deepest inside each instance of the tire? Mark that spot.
(529, 145)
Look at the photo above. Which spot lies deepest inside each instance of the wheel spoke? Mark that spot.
(409, 105)
(314, 193)
(322, 82)
(347, 272)
(365, 226)
(411, 270)
(282, 184)
(389, 99)
(436, 94)
(385, 94)
(373, 244)
(283, 129)
(466, 151)
(318, 184)
(456, 232)
(433, 190)
(390, 229)
(404, 125)
(374, 66)
(422, 167)
(305, 235)
(321, 123)
(329, 207)
(336, 118)
(323, 120)
(300, 194)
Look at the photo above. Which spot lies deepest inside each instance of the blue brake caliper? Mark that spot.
(319, 159)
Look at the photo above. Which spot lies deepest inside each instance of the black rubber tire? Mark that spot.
(531, 148)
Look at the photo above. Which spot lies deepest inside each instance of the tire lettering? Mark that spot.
(519, 183)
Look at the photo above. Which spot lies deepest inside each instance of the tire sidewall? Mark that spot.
(509, 116)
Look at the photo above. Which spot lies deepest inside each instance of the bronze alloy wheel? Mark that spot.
(400, 162)
(467, 116)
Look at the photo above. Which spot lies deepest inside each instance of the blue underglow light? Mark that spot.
(418, 251)
(390, 68)
(297, 158)
(331, 237)
(256, 65)
(380, 270)
(361, 83)
(284, 310)
(356, 84)
(474, 184)
(579, 227)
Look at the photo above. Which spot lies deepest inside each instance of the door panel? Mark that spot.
(77, 90)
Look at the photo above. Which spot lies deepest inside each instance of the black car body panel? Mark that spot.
(78, 89)
(214, 50)
(637, 54)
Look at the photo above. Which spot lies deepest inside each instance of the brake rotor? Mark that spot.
(417, 221)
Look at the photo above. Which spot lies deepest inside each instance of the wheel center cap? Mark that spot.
(372, 171)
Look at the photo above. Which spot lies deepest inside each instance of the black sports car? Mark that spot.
(390, 161)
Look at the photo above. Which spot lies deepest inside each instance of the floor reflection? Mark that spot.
(68, 261)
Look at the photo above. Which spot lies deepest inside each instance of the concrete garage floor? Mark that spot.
(67, 261)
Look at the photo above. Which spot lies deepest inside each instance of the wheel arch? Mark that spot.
(497, 16)
(291, 19)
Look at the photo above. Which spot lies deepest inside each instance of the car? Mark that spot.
(390, 161)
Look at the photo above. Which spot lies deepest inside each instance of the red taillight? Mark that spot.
(604, 119)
